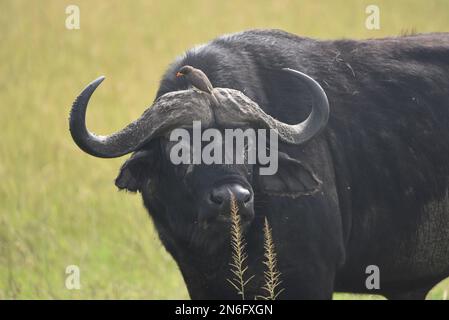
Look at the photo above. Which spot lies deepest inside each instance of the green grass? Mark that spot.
(59, 206)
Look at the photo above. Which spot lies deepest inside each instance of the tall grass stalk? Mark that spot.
(238, 263)
(272, 276)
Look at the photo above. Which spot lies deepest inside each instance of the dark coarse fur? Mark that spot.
(383, 161)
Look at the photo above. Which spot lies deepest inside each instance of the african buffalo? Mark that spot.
(365, 183)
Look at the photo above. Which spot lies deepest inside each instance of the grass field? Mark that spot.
(59, 206)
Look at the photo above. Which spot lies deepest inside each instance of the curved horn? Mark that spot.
(315, 122)
(239, 109)
(172, 110)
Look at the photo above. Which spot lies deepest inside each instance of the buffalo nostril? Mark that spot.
(222, 194)
(246, 196)
(242, 194)
(216, 197)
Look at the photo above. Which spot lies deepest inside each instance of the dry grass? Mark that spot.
(239, 256)
(239, 268)
(272, 275)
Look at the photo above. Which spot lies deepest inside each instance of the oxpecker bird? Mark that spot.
(197, 79)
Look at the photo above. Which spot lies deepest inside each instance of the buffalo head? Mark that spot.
(190, 203)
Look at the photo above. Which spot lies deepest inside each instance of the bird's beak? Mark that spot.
(179, 74)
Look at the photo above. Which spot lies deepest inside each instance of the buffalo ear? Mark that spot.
(136, 170)
(293, 179)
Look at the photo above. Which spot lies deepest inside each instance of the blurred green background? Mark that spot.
(59, 206)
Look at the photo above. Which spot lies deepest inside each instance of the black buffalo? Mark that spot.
(369, 189)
